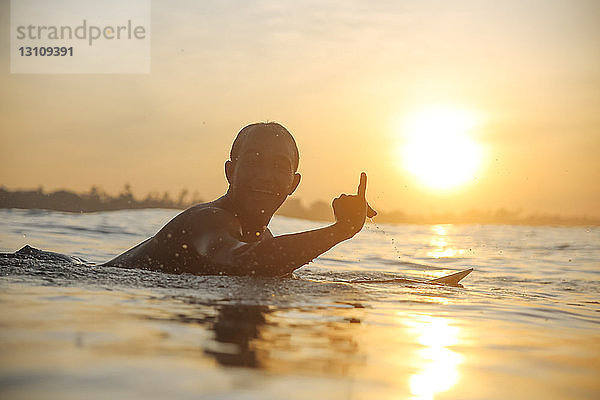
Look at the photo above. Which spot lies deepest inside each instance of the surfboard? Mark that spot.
(452, 279)
(448, 280)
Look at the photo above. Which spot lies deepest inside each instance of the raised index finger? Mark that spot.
(362, 186)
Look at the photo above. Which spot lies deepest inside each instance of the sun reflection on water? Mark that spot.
(439, 364)
(440, 244)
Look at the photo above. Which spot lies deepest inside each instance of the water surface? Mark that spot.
(525, 325)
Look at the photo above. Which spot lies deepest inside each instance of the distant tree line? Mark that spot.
(98, 200)
(94, 200)
(321, 210)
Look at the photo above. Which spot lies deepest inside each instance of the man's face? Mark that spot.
(263, 174)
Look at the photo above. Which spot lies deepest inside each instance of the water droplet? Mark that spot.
(262, 211)
(257, 233)
(184, 246)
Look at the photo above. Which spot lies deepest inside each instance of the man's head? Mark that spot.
(262, 168)
(272, 129)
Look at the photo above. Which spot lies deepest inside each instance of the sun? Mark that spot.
(437, 147)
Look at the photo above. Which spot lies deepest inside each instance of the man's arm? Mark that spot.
(215, 238)
(273, 256)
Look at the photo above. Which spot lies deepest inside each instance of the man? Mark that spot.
(229, 236)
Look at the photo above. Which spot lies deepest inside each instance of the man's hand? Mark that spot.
(351, 210)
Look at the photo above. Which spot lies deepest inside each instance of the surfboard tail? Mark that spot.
(452, 279)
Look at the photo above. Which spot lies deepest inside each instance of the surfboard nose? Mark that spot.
(452, 279)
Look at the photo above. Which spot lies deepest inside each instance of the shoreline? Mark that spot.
(97, 200)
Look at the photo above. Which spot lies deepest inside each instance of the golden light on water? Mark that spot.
(439, 364)
(441, 247)
(438, 149)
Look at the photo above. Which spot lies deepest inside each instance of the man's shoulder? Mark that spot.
(205, 220)
(209, 215)
(207, 209)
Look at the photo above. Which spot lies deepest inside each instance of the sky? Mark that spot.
(346, 78)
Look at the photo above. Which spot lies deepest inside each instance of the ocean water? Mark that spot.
(525, 324)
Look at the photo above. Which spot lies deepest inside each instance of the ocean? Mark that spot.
(525, 324)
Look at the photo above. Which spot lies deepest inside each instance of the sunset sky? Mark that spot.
(350, 80)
